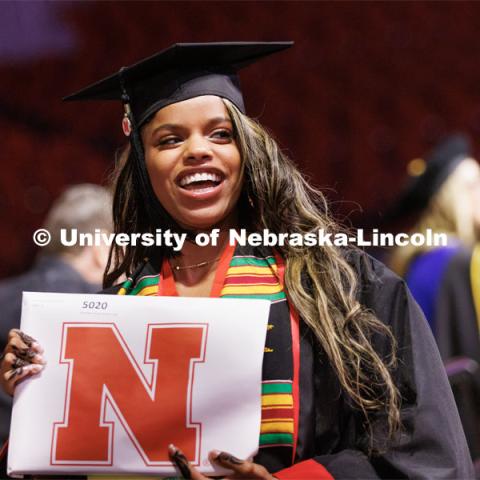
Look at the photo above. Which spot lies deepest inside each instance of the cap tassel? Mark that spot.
(126, 122)
(127, 116)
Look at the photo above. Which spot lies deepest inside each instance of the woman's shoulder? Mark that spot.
(382, 291)
(370, 271)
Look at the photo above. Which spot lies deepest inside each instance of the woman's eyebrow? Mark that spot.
(166, 126)
(177, 126)
(218, 120)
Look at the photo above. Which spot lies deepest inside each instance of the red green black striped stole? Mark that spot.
(252, 274)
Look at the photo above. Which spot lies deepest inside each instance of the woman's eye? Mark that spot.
(222, 134)
(168, 141)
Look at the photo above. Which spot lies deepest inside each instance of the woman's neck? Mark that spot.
(193, 254)
(194, 269)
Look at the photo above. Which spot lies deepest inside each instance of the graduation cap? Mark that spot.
(426, 176)
(180, 72)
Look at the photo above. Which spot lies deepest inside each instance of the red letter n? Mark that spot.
(153, 412)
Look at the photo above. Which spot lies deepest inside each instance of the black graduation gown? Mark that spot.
(332, 439)
(457, 324)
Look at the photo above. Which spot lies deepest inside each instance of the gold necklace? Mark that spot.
(195, 265)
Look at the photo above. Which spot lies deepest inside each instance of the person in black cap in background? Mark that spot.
(444, 195)
(365, 391)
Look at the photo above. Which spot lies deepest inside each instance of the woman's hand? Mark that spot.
(241, 468)
(21, 358)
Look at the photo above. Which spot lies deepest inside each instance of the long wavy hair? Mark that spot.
(320, 283)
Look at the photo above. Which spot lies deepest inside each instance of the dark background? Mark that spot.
(367, 87)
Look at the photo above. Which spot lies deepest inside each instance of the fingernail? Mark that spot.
(180, 461)
(229, 458)
(214, 454)
(37, 347)
(29, 353)
(27, 339)
(35, 368)
(39, 359)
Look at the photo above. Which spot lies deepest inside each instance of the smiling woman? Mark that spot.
(351, 377)
(194, 163)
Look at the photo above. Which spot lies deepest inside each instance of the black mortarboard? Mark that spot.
(180, 72)
(426, 176)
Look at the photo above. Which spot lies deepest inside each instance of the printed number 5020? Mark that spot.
(95, 305)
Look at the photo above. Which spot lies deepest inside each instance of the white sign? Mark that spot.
(127, 376)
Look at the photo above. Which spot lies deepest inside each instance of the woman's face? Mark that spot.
(194, 163)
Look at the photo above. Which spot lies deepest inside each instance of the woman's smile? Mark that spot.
(198, 182)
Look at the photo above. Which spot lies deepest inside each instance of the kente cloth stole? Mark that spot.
(256, 273)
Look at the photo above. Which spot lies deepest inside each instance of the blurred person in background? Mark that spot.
(58, 268)
(444, 194)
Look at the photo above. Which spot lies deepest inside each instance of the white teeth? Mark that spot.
(200, 177)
